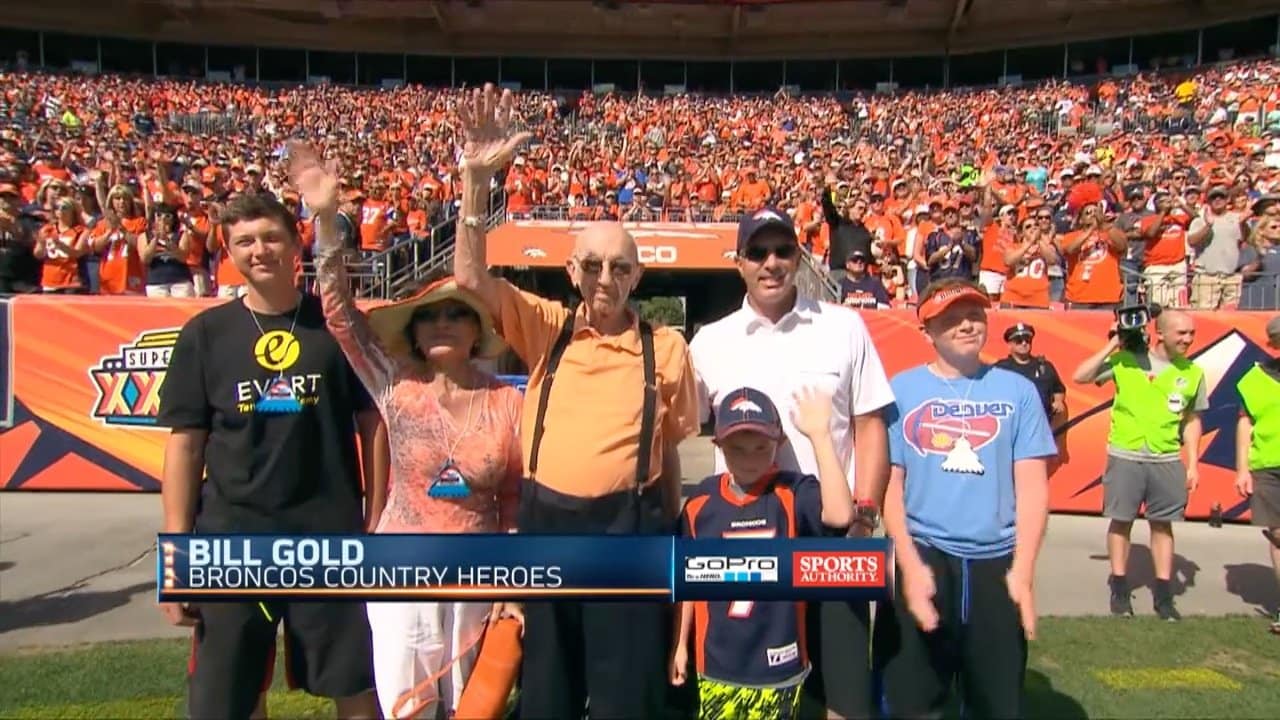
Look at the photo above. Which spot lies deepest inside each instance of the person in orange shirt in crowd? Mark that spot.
(1028, 254)
(1093, 251)
(992, 268)
(60, 245)
(1164, 271)
(114, 239)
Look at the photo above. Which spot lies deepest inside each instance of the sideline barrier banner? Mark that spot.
(86, 372)
(662, 246)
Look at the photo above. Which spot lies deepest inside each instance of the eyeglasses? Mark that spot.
(452, 313)
(595, 266)
(760, 253)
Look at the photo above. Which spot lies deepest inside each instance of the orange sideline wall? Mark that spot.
(78, 382)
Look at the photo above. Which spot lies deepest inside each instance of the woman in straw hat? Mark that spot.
(455, 451)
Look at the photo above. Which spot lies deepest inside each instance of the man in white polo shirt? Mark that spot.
(778, 342)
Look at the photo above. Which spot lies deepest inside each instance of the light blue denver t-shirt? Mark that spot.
(964, 514)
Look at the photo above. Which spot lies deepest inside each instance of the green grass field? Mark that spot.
(1080, 668)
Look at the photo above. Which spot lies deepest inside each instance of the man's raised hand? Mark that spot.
(489, 141)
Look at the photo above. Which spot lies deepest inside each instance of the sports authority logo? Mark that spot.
(129, 382)
(838, 569)
(730, 569)
(935, 425)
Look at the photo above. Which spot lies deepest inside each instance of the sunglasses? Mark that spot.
(1028, 225)
(452, 313)
(760, 253)
(1019, 339)
(595, 266)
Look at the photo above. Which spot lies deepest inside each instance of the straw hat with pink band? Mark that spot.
(393, 323)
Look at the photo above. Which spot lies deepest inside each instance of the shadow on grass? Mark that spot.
(1255, 584)
(64, 606)
(1045, 703)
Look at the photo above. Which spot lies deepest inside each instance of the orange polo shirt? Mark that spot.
(591, 436)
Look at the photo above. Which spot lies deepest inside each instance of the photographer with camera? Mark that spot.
(1159, 397)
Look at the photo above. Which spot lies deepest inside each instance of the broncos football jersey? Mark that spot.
(756, 644)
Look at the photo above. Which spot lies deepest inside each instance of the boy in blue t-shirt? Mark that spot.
(751, 658)
(966, 509)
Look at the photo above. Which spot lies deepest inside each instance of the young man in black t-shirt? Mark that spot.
(264, 409)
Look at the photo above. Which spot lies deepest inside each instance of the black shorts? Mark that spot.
(327, 645)
(979, 644)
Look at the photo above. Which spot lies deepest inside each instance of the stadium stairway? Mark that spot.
(401, 269)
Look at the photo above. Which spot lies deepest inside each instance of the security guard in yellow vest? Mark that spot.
(1258, 448)
(1159, 397)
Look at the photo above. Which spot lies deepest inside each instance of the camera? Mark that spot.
(1131, 326)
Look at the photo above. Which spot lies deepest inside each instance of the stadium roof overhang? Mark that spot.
(646, 29)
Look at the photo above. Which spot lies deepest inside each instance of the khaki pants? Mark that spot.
(1211, 291)
(1166, 284)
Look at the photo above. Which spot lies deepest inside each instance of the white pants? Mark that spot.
(178, 290)
(232, 291)
(413, 641)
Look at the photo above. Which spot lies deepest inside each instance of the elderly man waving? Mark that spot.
(609, 398)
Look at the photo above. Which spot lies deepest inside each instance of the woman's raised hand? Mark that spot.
(317, 183)
(489, 141)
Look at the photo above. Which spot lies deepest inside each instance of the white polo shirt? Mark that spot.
(816, 344)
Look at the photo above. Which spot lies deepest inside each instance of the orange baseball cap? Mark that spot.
(943, 299)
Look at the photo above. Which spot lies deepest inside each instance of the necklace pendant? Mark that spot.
(449, 482)
(963, 459)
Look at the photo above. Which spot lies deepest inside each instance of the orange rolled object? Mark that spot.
(494, 674)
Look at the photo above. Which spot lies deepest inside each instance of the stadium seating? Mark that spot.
(673, 158)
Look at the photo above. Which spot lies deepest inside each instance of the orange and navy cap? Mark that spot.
(748, 409)
(945, 298)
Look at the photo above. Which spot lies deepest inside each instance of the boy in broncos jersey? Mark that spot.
(751, 658)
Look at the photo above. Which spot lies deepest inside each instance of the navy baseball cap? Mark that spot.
(748, 409)
(1019, 330)
(762, 219)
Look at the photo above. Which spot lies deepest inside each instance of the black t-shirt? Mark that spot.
(1041, 373)
(280, 412)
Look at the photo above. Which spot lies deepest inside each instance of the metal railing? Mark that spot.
(1197, 290)
(409, 262)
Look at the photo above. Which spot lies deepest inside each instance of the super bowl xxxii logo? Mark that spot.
(129, 383)
(936, 425)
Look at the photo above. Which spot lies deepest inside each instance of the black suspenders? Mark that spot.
(647, 417)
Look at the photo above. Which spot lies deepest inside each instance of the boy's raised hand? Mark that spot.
(811, 413)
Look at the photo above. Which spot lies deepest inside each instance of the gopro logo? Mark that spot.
(731, 569)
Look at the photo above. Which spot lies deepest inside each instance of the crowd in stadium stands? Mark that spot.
(1085, 194)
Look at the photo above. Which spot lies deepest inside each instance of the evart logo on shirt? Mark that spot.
(935, 425)
(284, 393)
